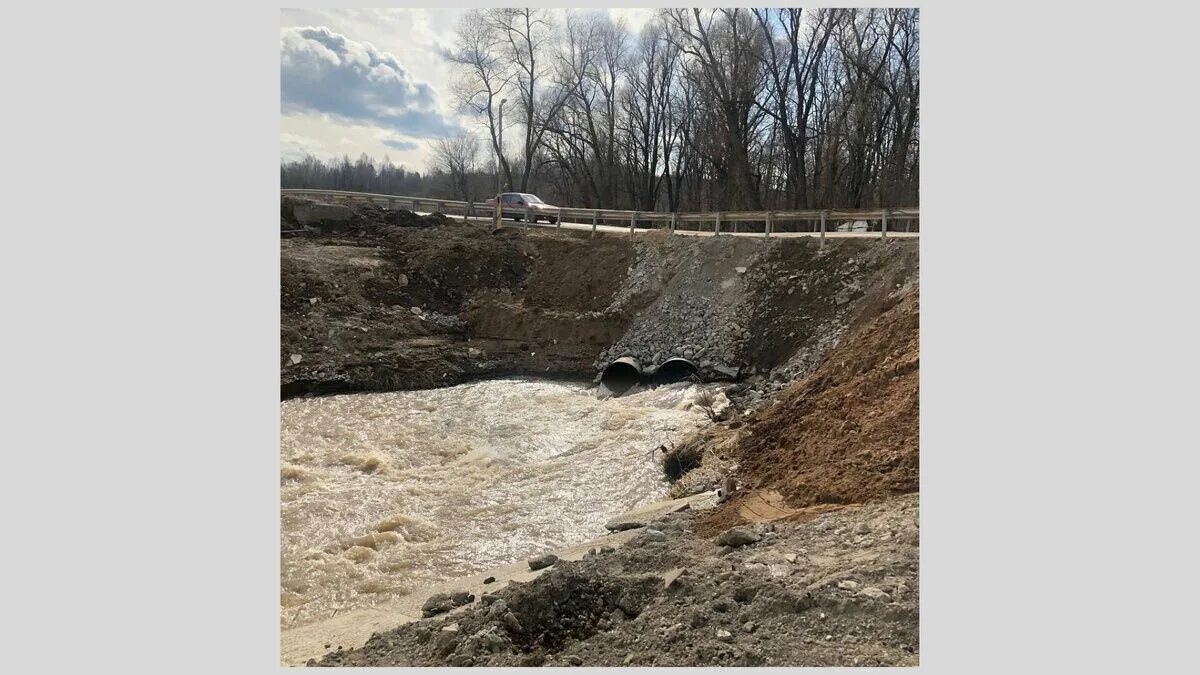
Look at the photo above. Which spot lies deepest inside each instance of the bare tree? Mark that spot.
(457, 155)
(726, 55)
(703, 109)
(525, 33)
(483, 75)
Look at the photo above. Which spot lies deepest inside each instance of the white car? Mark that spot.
(516, 202)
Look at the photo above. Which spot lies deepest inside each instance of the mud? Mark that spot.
(847, 433)
(837, 588)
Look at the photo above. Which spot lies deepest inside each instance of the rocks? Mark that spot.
(461, 598)
(671, 578)
(296, 358)
(738, 536)
(438, 603)
(749, 626)
(724, 551)
(862, 528)
(573, 660)
(489, 580)
(511, 622)
(630, 603)
(654, 535)
(460, 660)
(445, 642)
(488, 598)
(874, 594)
(542, 561)
(415, 310)
(724, 635)
(848, 585)
(621, 525)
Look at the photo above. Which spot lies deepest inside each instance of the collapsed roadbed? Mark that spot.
(811, 558)
(376, 300)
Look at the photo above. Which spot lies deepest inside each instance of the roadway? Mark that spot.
(617, 229)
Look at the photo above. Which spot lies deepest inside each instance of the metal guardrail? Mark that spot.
(599, 216)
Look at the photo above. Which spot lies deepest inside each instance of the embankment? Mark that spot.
(385, 300)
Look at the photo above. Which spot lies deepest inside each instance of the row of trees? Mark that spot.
(703, 109)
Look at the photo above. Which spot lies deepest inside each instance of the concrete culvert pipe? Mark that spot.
(620, 375)
(674, 370)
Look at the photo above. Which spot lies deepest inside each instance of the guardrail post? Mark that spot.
(414, 205)
(441, 207)
(717, 225)
(674, 221)
(883, 227)
(768, 227)
(558, 223)
(595, 217)
(470, 208)
(632, 220)
(527, 216)
(823, 228)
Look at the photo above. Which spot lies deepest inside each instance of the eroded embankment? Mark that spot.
(389, 301)
(847, 433)
(827, 334)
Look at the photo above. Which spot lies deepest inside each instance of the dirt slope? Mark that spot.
(848, 433)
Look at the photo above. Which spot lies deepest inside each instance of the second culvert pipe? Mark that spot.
(674, 370)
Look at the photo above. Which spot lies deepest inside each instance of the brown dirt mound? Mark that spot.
(848, 433)
(579, 275)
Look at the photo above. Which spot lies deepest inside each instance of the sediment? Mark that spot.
(819, 346)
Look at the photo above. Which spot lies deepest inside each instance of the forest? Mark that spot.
(700, 110)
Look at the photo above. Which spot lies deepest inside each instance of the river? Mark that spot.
(384, 494)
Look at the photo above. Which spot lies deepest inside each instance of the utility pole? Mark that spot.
(499, 149)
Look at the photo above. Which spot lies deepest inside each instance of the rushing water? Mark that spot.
(383, 494)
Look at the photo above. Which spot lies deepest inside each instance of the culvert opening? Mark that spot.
(675, 370)
(621, 375)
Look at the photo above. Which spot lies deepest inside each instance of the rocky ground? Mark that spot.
(813, 558)
(826, 587)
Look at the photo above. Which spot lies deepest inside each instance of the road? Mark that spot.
(617, 229)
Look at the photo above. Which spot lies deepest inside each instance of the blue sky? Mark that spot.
(372, 80)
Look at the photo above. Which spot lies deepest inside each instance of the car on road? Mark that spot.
(515, 204)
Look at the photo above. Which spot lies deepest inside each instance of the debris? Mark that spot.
(620, 525)
(738, 536)
(510, 620)
(542, 561)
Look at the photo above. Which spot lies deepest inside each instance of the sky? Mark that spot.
(373, 81)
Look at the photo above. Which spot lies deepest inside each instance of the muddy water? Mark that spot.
(384, 494)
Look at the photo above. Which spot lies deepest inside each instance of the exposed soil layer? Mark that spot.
(847, 433)
(381, 300)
